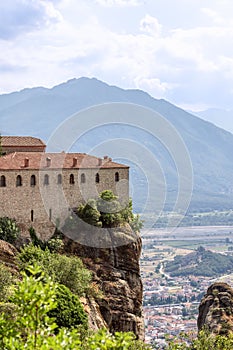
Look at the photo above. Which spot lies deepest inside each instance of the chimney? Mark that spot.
(107, 159)
(75, 161)
(48, 162)
(99, 161)
(26, 162)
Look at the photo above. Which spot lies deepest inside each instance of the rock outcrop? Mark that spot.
(216, 309)
(7, 254)
(114, 261)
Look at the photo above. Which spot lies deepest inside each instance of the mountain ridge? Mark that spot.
(38, 111)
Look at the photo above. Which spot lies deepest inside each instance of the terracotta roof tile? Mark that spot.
(21, 141)
(41, 160)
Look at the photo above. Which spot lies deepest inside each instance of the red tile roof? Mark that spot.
(41, 160)
(21, 141)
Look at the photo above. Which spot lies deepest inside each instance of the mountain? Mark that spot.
(220, 117)
(200, 263)
(39, 111)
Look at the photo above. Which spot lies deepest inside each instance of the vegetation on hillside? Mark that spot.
(198, 217)
(66, 270)
(41, 319)
(204, 341)
(200, 263)
(9, 230)
(39, 303)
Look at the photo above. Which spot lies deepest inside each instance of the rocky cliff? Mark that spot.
(8, 254)
(216, 309)
(112, 255)
(116, 271)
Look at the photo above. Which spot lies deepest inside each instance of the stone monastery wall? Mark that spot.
(38, 197)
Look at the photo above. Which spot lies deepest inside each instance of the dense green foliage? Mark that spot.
(6, 280)
(103, 340)
(65, 270)
(69, 311)
(9, 231)
(32, 328)
(204, 341)
(107, 211)
(89, 213)
(200, 263)
(54, 244)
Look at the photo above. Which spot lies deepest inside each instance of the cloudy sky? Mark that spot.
(180, 50)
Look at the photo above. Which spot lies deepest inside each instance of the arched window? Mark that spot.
(46, 179)
(18, 181)
(116, 176)
(59, 179)
(71, 179)
(32, 215)
(83, 178)
(97, 178)
(33, 180)
(3, 181)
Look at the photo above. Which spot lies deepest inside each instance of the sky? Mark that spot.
(179, 50)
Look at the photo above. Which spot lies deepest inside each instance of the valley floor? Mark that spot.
(171, 303)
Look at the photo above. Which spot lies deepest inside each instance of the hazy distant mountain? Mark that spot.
(219, 117)
(39, 111)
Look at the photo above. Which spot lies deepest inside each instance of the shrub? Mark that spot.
(9, 231)
(54, 244)
(89, 213)
(107, 211)
(103, 340)
(204, 341)
(69, 311)
(69, 271)
(6, 279)
(34, 299)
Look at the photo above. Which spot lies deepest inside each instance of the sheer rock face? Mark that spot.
(216, 309)
(7, 254)
(115, 266)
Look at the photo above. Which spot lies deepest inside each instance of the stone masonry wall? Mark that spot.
(41, 205)
(11, 149)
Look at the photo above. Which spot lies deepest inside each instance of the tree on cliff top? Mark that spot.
(108, 211)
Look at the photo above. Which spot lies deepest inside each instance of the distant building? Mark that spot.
(21, 144)
(37, 188)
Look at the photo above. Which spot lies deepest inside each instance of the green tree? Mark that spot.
(107, 211)
(110, 209)
(32, 328)
(54, 244)
(89, 213)
(69, 311)
(9, 231)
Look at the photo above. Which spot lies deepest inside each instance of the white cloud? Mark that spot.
(213, 15)
(72, 39)
(22, 16)
(153, 85)
(150, 25)
(121, 3)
